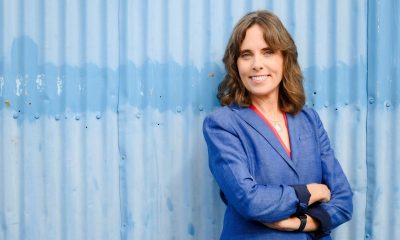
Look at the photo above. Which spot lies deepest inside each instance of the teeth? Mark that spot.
(259, 78)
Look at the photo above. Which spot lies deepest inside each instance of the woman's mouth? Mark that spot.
(259, 78)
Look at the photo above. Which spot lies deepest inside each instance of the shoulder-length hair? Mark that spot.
(291, 92)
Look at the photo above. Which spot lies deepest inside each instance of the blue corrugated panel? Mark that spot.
(58, 123)
(102, 102)
(383, 154)
(168, 79)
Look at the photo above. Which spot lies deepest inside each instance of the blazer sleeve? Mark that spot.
(340, 208)
(229, 165)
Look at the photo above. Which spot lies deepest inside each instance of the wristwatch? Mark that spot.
(303, 222)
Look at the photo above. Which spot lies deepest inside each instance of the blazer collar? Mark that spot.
(251, 118)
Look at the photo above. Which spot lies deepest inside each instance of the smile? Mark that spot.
(259, 78)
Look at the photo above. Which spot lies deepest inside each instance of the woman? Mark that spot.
(269, 154)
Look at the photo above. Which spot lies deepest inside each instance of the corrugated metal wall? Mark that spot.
(102, 102)
(383, 131)
(59, 124)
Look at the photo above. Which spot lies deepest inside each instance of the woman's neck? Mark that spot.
(268, 107)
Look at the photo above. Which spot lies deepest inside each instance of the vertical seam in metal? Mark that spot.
(367, 192)
(121, 197)
(21, 170)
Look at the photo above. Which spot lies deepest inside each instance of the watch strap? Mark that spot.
(303, 222)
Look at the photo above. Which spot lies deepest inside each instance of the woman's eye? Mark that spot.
(268, 52)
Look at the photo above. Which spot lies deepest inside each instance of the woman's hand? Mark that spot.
(293, 223)
(319, 193)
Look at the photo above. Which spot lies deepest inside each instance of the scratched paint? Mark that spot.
(1, 85)
(40, 82)
(18, 87)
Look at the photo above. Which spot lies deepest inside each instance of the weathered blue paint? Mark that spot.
(101, 107)
(29, 88)
(81, 89)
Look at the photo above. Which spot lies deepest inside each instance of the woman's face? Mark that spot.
(260, 68)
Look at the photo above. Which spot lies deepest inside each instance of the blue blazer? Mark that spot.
(258, 178)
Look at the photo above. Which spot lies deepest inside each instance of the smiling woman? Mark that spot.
(260, 67)
(270, 154)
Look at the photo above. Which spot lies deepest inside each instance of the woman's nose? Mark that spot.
(257, 63)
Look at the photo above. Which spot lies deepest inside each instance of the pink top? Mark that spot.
(252, 107)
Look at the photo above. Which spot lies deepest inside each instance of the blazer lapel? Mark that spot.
(294, 137)
(262, 128)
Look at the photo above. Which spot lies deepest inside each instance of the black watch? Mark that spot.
(303, 222)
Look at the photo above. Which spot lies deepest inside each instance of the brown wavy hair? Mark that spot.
(291, 92)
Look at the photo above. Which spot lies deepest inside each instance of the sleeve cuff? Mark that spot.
(319, 214)
(304, 197)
